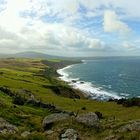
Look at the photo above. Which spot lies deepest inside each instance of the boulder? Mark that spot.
(112, 137)
(89, 119)
(70, 134)
(6, 127)
(51, 119)
(74, 81)
(25, 134)
(49, 132)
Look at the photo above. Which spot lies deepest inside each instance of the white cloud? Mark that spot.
(131, 45)
(96, 44)
(23, 32)
(127, 45)
(64, 8)
(42, 36)
(22, 26)
(112, 23)
(60, 9)
(129, 9)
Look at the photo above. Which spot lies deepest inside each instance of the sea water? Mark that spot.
(105, 78)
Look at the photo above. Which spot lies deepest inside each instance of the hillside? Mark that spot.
(28, 54)
(31, 91)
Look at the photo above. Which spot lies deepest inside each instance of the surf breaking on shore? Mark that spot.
(90, 90)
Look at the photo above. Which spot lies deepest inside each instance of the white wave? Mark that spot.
(64, 76)
(84, 61)
(124, 94)
(121, 75)
(88, 88)
(94, 92)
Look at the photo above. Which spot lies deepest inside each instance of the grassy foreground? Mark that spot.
(36, 77)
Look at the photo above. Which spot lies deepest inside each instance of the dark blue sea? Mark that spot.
(104, 78)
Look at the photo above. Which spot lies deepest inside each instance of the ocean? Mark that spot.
(105, 78)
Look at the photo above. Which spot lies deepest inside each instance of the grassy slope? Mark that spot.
(20, 74)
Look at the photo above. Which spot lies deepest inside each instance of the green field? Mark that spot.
(39, 79)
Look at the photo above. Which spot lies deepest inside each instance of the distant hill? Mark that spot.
(4, 55)
(34, 55)
(28, 55)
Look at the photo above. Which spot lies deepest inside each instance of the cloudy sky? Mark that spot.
(70, 27)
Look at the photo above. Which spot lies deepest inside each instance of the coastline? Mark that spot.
(89, 90)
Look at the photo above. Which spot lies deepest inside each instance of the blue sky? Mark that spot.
(70, 27)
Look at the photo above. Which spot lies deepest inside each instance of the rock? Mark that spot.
(89, 119)
(74, 81)
(112, 137)
(49, 132)
(132, 126)
(6, 127)
(70, 134)
(25, 134)
(49, 120)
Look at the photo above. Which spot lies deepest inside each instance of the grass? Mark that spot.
(19, 74)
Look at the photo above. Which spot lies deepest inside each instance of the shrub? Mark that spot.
(18, 100)
(99, 114)
(83, 108)
(129, 102)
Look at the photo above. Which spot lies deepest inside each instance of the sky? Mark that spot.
(70, 27)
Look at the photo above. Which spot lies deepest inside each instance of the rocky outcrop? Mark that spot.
(51, 119)
(132, 126)
(6, 127)
(89, 119)
(113, 137)
(63, 91)
(70, 134)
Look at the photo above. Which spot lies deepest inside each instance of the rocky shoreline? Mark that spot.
(127, 102)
